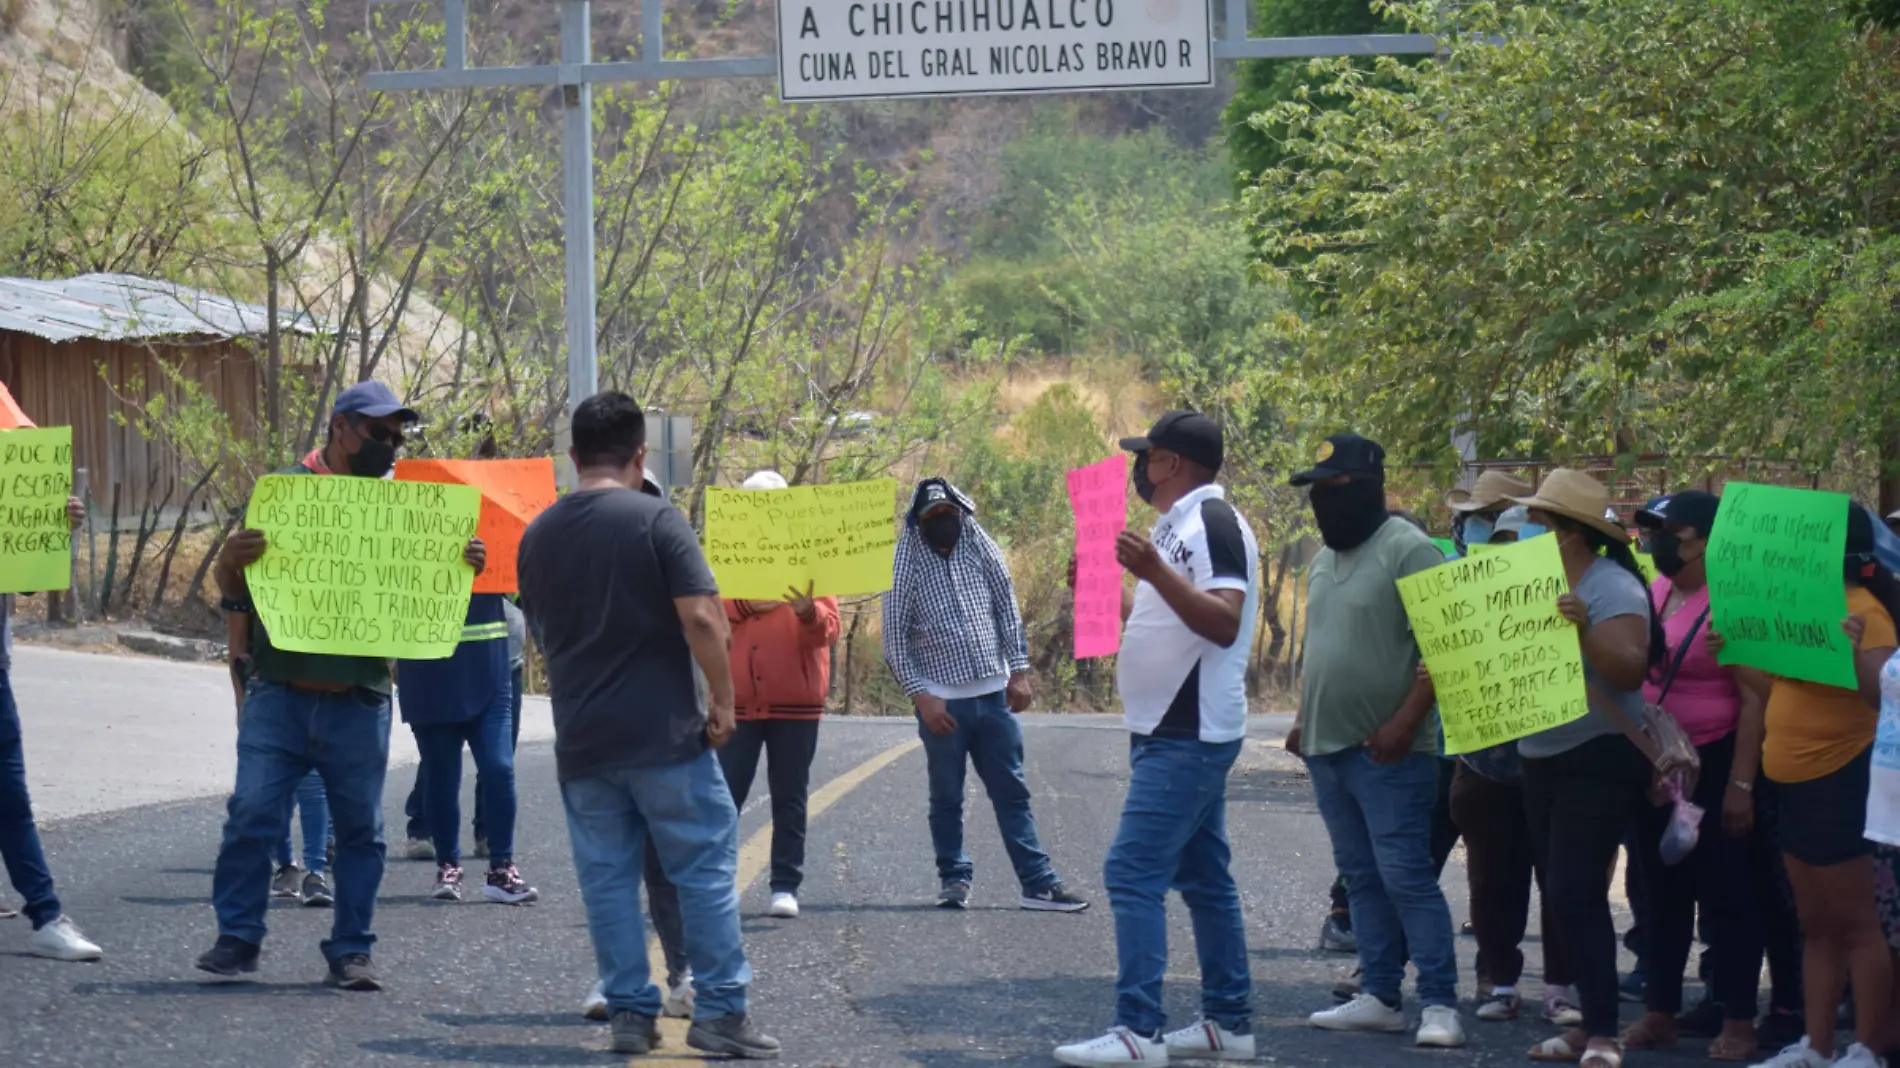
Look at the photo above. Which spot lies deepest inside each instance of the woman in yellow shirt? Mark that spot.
(1818, 751)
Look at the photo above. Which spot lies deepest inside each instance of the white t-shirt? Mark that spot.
(1175, 683)
(1883, 795)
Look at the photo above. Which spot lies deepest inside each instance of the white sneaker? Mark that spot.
(1363, 1013)
(1441, 1027)
(1859, 1056)
(595, 1007)
(679, 999)
(61, 940)
(784, 906)
(1208, 1041)
(1119, 1046)
(1800, 1055)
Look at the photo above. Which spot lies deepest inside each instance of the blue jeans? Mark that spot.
(687, 810)
(987, 736)
(282, 735)
(19, 836)
(1173, 834)
(440, 776)
(1380, 819)
(314, 807)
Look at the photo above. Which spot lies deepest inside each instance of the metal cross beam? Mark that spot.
(577, 73)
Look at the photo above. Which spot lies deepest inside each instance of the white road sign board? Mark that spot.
(858, 49)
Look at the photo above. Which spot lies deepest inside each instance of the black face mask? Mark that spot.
(1144, 487)
(1348, 515)
(942, 530)
(373, 459)
(1665, 550)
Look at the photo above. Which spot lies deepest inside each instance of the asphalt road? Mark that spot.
(870, 975)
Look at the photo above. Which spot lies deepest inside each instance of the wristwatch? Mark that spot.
(231, 604)
(1745, 787)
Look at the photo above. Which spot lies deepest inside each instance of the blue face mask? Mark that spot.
(1531, 530)
(1478, 531)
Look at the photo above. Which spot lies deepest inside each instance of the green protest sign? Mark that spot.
(36, 539)
(1776, 592)
(1446, 546)
(1504, 662)
(363, 566)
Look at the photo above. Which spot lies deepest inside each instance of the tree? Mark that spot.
(1611, 226)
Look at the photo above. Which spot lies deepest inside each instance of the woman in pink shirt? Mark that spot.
(1725, 723)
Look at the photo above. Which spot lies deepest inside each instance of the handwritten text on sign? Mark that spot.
(840, 539)
(36, 541)
(363, 566)
(839, 49)
(1099, 495)
(1776, 593)
(1504, 662)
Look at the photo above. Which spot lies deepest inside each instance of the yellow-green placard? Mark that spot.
(363, 566)
(1777, 591)
(36, 539)
(1504, 662)
(839, 539)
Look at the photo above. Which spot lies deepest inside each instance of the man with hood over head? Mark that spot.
(953, 636)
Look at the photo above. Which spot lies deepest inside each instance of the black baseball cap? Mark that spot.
(1691, 508)
(1345, 454)
(372, 399)
(1189, 435)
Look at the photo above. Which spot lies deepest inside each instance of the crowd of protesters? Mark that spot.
(666, 697)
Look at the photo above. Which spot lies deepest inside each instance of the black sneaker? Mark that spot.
(1335, 935)
(1057, 898)
(733, 1036)
(505, 886)
(230, 957)
(955, 894)
(316, 891)
(448, 882)
(634, 1033)
(1347, 989)
(285, 882)
(353, 971)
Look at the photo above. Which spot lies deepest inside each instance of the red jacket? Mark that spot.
(781, 665)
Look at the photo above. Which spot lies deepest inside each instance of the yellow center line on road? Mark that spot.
(754, 857)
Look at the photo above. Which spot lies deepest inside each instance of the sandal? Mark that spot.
(1602, 1058)
(1556, 1049)
(1733, 1048)
(1653, 1031)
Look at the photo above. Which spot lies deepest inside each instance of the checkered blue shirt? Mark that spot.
(952, 620)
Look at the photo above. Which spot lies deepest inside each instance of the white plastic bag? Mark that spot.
(1685, 822)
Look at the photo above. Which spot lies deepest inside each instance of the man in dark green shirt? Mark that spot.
(299, 711)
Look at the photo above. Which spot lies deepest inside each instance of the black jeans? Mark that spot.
(414, 808)
(789, 746)
(1580, 804)
(1715, 876)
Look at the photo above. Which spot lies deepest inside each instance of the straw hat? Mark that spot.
(1493, 489)
(1575, 495)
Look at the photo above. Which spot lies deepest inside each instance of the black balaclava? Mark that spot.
(1349, 514)
(942, 529)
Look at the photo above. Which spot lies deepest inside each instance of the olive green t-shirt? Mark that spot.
(1360, 658)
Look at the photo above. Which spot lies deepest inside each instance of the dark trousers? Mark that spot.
(663, 905)
(19, 836)
(1714, 876)
(789, 746)
(1500, 862)
(1580, 804)
(1774, 898)
(416, 807)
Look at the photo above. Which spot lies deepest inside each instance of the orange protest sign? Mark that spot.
(513, 493)
(11, 417)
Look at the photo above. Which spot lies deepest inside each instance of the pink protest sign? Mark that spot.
(1099, 495)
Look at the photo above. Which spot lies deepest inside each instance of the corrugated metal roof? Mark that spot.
(124, 307)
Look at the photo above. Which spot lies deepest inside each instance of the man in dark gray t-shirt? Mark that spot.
(623, 604)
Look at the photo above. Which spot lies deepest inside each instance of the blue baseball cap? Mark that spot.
(372, 399)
